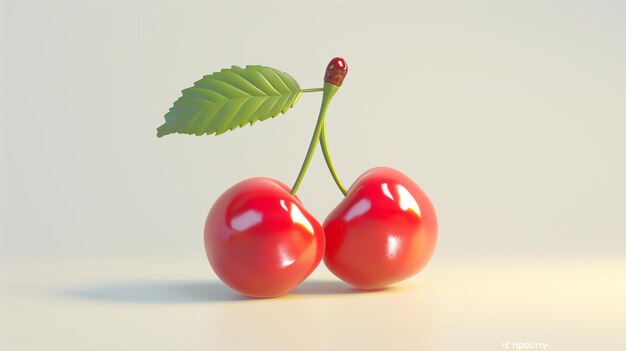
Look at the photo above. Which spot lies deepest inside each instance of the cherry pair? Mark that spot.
(262, 242)
(259, 237)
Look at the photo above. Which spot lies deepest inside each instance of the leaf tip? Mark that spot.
(161, 131)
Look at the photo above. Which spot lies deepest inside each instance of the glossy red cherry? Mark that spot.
(260, 240)
(382, 232)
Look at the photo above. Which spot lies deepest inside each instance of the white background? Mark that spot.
(511, 115)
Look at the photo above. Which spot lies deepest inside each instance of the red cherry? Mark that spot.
(382, 232)
(260, 240)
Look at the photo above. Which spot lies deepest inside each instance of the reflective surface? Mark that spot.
(260, 240)
(161, 303)
(383, 232)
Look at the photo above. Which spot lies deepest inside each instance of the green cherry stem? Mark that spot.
(329, 91)
(324, 144)
(311, 90)
(329, 161)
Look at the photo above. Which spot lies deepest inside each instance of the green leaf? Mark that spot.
(229, 99)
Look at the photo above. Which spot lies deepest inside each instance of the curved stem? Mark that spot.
(329, 161)
(329, 92)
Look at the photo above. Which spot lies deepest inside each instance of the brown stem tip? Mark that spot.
(336, 71)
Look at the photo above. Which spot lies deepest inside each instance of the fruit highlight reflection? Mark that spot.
(259, 238)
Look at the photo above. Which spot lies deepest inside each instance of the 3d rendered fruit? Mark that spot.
(259, 238)
(382, 232)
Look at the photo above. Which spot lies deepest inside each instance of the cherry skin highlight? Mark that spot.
(382, 232)
(260, 240)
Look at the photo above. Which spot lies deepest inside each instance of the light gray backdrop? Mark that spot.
(511, 115)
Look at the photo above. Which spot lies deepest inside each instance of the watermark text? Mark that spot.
(524, 345)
